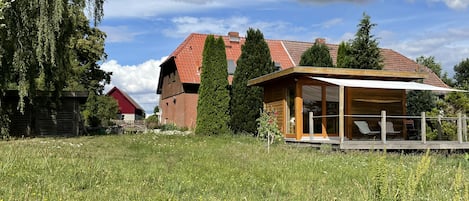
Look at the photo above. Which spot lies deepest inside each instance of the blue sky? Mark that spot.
(142, 33)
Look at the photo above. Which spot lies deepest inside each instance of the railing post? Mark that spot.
(341, 113)
(459, 127)
(311, 125)
(440, 132)
(464, 127)
(423, 127)
(383, 126)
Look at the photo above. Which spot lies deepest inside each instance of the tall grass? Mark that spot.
(161, 167)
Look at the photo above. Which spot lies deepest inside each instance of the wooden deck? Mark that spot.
(379, 145)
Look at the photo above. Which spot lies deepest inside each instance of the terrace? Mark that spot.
(327, 106)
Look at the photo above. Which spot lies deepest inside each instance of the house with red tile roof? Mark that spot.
(180, 74)
(128, 108)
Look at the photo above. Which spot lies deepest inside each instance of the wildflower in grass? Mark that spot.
(267, 125)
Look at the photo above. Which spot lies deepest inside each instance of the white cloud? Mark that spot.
(457, 4)
(117, 34)
(454, 4)
(149, 8)
(183, 26)
(335, 1)
(449, 46)
(139, 81)
(332, 22)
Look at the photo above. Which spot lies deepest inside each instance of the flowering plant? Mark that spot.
(268, 127)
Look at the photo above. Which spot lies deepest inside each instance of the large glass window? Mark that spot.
(312, 109)
(291, 110)
(332, 111)
(320, 109)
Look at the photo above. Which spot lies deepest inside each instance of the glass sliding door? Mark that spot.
(332, 110)
(290, 110)
(320, 109)
(312, 109)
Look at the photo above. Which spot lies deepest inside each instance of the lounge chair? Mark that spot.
(390, 128)
(365, 129)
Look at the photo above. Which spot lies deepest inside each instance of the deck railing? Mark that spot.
(435, 128)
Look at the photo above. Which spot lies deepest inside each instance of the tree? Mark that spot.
(87, 49)
(156, 109)
(423, 101)
(214, 95)
(430, 63)
(364, 51)
(420, 101)
(100, 109)
(35, 39)
(461, 71)
(343, 55)
(317, 55)
(459, 101)
(255, 61)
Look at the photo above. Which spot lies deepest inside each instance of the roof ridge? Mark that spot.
(130, 99)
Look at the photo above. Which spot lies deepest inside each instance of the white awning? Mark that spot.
(381, 84)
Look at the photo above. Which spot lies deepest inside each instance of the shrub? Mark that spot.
(152, 122)
(268, 127)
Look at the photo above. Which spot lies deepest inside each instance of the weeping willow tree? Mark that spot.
(36, 48)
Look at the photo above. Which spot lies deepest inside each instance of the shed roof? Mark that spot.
(347, 73)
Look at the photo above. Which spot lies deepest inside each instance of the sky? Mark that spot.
(141, 34)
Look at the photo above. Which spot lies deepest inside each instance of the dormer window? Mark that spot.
(231, 67)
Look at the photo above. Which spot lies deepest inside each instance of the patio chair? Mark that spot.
(390, 128)
(365, 129)
(412, 132)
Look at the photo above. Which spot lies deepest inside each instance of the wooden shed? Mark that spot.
(324, 103)
(46, 117)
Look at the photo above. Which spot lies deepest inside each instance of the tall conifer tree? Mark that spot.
(255, 61)
(317, 55)
(365, 53)
(343, 55)
(214, 96)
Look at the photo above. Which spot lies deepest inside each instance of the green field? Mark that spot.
(161, 167)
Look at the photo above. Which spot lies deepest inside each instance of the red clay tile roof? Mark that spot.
(188, 57)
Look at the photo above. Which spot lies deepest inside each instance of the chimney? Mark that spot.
(320, 41)
(234, 36)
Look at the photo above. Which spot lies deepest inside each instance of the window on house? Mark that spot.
(277, 66)
(231, 67)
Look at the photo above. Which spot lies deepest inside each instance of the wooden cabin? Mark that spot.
(46, 117)
(322, 104)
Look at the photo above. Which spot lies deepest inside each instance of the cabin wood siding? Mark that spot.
(274, 98)
(44, 118)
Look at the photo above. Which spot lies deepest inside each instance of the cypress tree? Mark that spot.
(365, 53)
(317, 55)
(255, 61)
(343, 55)
(214, 96)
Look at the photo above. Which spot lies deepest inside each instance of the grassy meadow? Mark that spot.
(164, 167)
